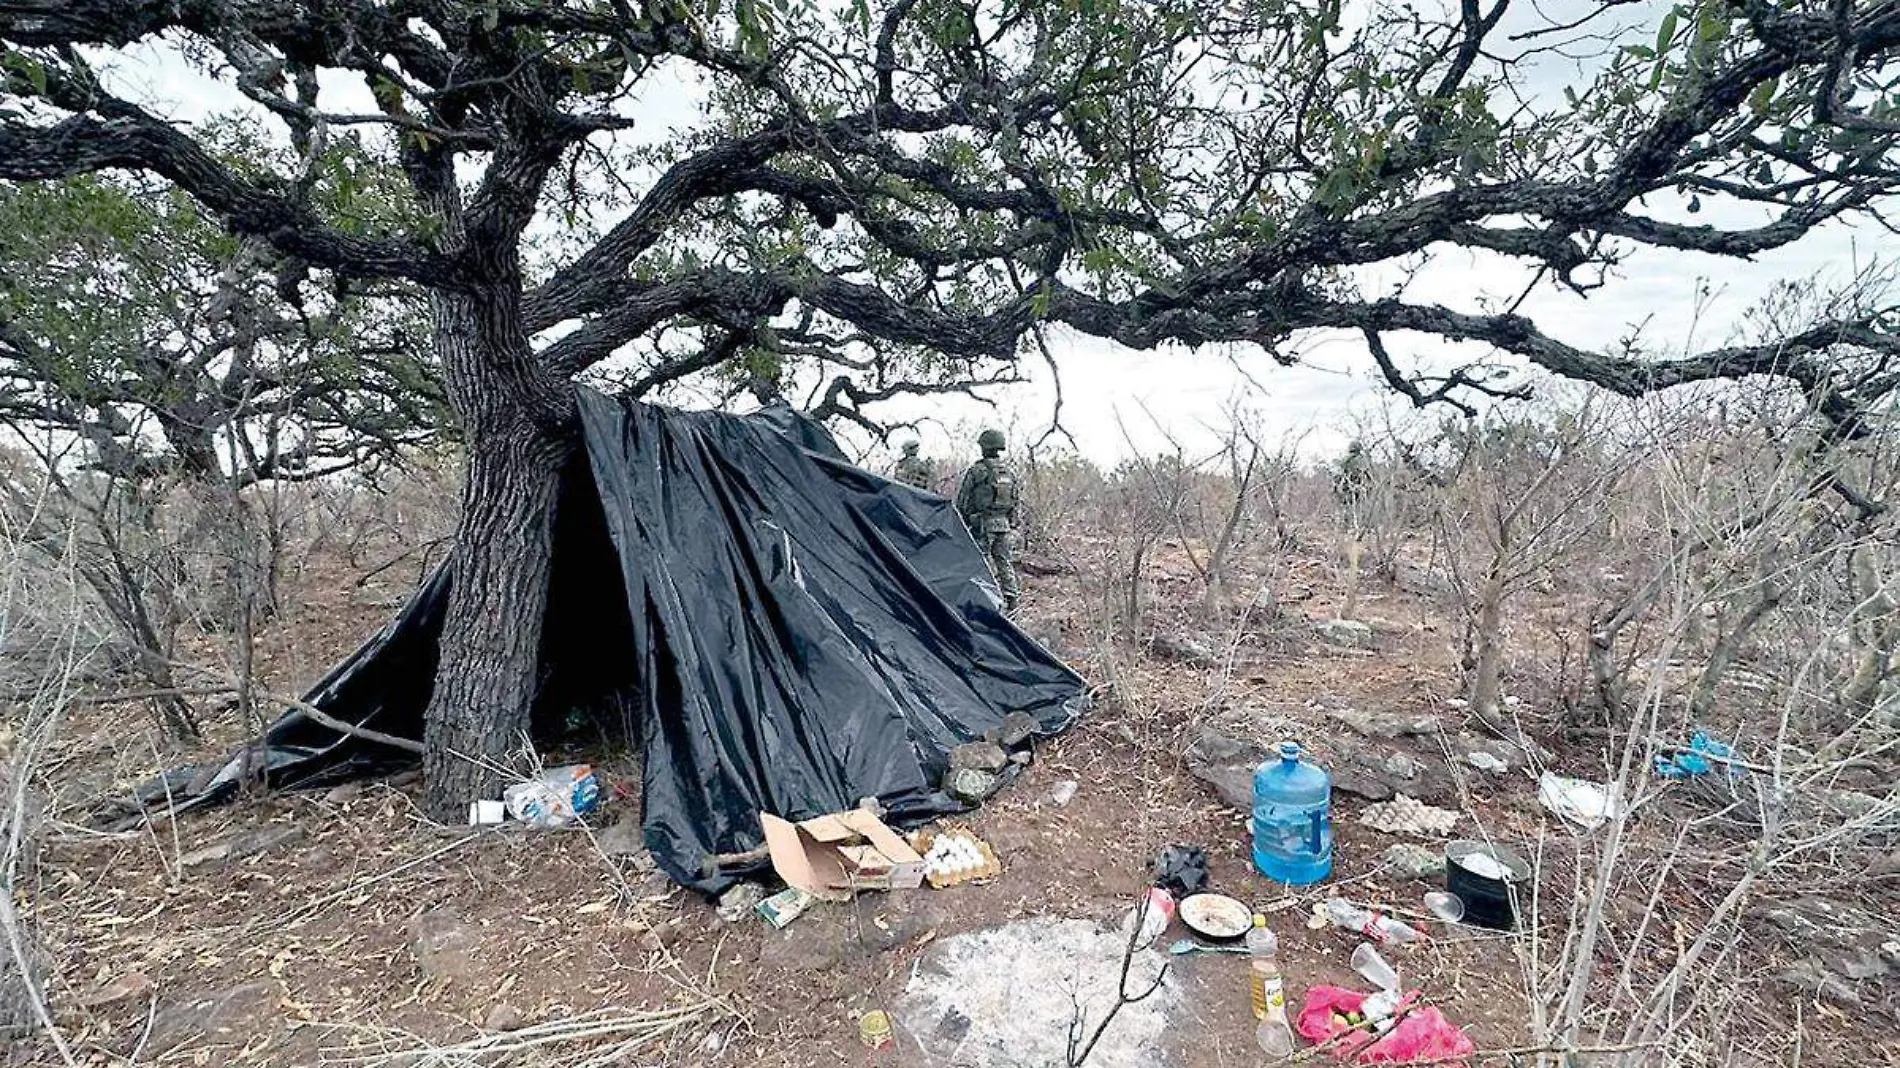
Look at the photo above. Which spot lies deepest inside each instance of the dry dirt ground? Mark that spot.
(363, 930)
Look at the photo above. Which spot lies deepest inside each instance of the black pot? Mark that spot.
(1489, 901)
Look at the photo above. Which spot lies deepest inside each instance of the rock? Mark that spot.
(1487, 763)
(220, 1017)
(1022, 758)
(446, 946)
(1379, 773)
(127, 985)
(828, 936)
(1226, 763)
(1408, 815)
(1415, 860)
(1350, 633)
(249, 844)
(970, 786)
(1064, 792)
(625, 837)
(1016, 729)
(738, 902)
(979, 756)
(503, 1017)
(1842, 947)
(1385, 725)
(1186, 650)
(349, 791)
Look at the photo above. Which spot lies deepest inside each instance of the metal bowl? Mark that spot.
(1216, 917)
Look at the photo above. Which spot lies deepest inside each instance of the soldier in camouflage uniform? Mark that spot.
(987, 499)
(914, 470)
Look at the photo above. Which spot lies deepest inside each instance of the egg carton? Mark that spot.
(987, 865)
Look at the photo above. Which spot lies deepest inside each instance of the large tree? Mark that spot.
(901, 194)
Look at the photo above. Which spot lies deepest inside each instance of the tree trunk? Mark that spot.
(1486, 677)
(491, 636)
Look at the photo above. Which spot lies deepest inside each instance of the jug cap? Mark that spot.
(1289, 750)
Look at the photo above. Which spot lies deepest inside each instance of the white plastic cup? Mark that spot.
(486, 813)
(1367, 962)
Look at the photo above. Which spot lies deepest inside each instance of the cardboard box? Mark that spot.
(834, 856)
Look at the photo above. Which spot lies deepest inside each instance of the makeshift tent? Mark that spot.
(782, 631)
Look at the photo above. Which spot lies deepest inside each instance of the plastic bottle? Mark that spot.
(1292, 819)
(1268, 989)
(1382, 929)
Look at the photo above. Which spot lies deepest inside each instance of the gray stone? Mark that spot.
(1016, 729)
(1064, 792)
(1183, 649)
(970, 785)
(503, 1017)
(739, 900)
(1226, 763)
(220, 1017)
(1842, 948)
(624, 837)
(1809, 977)
(446, 946)
(1350, 633)
(979, 756)
(349, 791)
(1416, 861)
(249, 844)
(1385, 725)
(1378, 773)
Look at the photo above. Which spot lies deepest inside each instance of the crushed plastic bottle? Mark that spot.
(1292, 819)
(1381, 929)
(1274, 1034)
(1155, 916)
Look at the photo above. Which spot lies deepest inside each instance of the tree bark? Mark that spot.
(1486, 677)
(491, 636)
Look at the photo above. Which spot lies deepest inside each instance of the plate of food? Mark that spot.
(1216, 917)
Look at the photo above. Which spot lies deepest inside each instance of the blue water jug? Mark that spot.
(1292, 819)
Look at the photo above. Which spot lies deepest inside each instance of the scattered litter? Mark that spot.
(1184, 946)
(1384, 979)
(1408, 815)
(1416, 861)
(739, 901)
(874, 1029)
(1423, 1036)
(785, 906)
(1153, 912)
(1698, 759)
(1484, 761)
(955, 855)
(1586, 804)
(486, 813)
(1382, 929)
(1445, 906)
(1181, 870)
(1064, 792)
(836, 855)
(554, 798)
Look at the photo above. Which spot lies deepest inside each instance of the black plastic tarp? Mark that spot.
(783, 631)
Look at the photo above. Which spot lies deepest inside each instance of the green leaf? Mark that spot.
(29, 68)
(1763, 96)
(1666, 33)
(1640, 51)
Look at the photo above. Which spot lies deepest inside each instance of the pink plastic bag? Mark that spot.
(1423, 1035)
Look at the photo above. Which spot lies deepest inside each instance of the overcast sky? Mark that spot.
(1111, 394)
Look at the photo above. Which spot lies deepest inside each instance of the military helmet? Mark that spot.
(990, 441)
(910, 448)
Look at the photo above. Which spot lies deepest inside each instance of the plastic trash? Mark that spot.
(1698, 759)
(555, 798)
(1268, 990)
(1181, 870)
(1586, 804)
(1292, 819)
(1448, 907)
(1367, 962)
(1155, 917)
(1423, 1036)
(1381, 929)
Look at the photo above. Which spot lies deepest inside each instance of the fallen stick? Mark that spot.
(310, 710)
